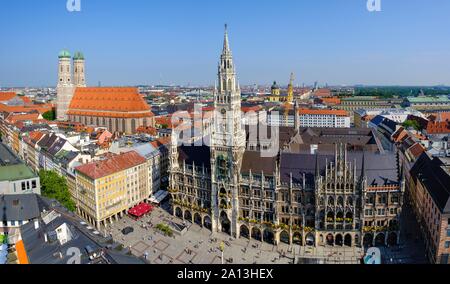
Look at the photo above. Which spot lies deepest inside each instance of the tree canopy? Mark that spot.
(55, 186)
(412, 123)
(49, 115)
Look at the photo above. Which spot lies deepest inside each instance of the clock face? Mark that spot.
(223, 111)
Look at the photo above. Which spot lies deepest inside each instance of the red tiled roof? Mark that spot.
(165, 120)
(440, 116)
(322, 93)
(416, 150)
(161, 141)
(35, 136)
(252, 108)
(400, 135)
(111, 165)
(40, 108)
(438, 127)
(335, 101)
(6, 96)
(109, 102)
(148, 130)
(13, 118)
(26, 100)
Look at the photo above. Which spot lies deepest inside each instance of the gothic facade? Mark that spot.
(121, 110)
(336, 195)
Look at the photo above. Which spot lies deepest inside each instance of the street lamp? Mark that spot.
(222, 248)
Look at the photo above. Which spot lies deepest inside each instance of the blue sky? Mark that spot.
(179, 41)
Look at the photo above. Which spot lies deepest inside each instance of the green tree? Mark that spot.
(412, 123)
(49, 115)
(55, 186)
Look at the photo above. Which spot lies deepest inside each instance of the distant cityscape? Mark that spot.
(275, 174)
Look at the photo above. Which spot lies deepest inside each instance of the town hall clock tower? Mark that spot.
(228, 146)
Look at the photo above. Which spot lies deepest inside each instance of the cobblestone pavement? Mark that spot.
(199, 246)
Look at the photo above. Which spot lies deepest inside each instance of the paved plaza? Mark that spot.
(200, 246)
(411, 249)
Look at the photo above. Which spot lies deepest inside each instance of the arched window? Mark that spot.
(133, 125)
(330, 201)
(230, 85)
(321, 201)
(340, 201)
(350, 201)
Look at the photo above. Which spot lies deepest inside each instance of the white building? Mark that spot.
(323, 118)
(151, 154)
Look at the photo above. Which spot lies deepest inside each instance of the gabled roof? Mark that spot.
(399, 135)
(255, 162)
(380, 169)
(109, 102)
(377, 120)
(435, 179)
(20, 207)
(35, 136)
(145, 150)
(47, 141)
(111, 165)
(13, 118)
(56, 147)
(200, 155)
(416, 150)
(16, 172)
(6, 96)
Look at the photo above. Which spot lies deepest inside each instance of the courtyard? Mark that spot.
(200, 246)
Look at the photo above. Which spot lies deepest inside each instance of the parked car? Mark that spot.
(127, 230)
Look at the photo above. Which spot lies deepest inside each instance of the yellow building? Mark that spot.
(290, 92)
(276, 96)
(275, 93)
(107, 189)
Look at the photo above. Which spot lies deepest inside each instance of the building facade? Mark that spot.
(107, 189)
(121, 110)
(430, 200)
(15, 177)
(339, 197)
(324, 118)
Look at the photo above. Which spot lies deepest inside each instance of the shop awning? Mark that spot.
(140, 210)
(159, 196)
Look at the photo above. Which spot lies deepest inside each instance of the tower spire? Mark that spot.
(226, 45)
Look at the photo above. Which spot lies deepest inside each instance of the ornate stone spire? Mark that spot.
(226, 45)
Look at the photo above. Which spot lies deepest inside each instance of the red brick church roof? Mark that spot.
(109, 102)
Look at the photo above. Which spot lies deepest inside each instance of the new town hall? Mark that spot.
(323, 187)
